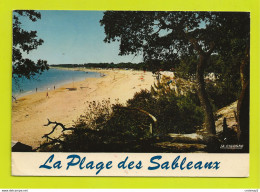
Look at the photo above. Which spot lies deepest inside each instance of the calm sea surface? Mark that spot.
(47, 80)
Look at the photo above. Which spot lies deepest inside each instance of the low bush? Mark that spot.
(117, 127)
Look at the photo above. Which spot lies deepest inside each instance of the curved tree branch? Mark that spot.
(56, 125)
(153, 118)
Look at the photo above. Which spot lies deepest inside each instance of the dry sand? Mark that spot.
(30, 113)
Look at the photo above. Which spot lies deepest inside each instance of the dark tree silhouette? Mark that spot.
(24, 42)
(166, 36)
(236, 52)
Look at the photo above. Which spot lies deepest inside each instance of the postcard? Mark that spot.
(130, 93)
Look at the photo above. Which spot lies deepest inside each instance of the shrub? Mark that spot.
(221, 94)
(115, 128)
(176, 114)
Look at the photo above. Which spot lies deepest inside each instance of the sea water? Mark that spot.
(47, 80)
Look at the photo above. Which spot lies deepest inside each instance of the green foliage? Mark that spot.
(226, 88)
(96, 115)
(171, 36)
(138, 66)
(187, 67)
(222, 93)
(128, 123)
(175, 114)
(24, 42)
(152, 65)
(222, 90)
(107, 127)
(180, 110)
(103, 128)
(168, 35)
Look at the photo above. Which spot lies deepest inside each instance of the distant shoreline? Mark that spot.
(49, 87)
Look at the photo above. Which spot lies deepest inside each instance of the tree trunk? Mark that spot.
(243, 115)
(243, 103)
(203, 97)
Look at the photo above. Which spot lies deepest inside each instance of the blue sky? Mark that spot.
(73, 37)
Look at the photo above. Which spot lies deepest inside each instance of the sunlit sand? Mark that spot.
(67, 103)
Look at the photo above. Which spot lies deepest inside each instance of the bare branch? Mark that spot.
(194, 43)
(56, 125)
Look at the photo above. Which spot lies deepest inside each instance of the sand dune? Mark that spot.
(30, 113)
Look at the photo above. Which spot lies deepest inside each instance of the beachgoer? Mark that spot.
(54, 87)
(47, 94)
(36, 89)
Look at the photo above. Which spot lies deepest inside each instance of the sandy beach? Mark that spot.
(30, 113)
